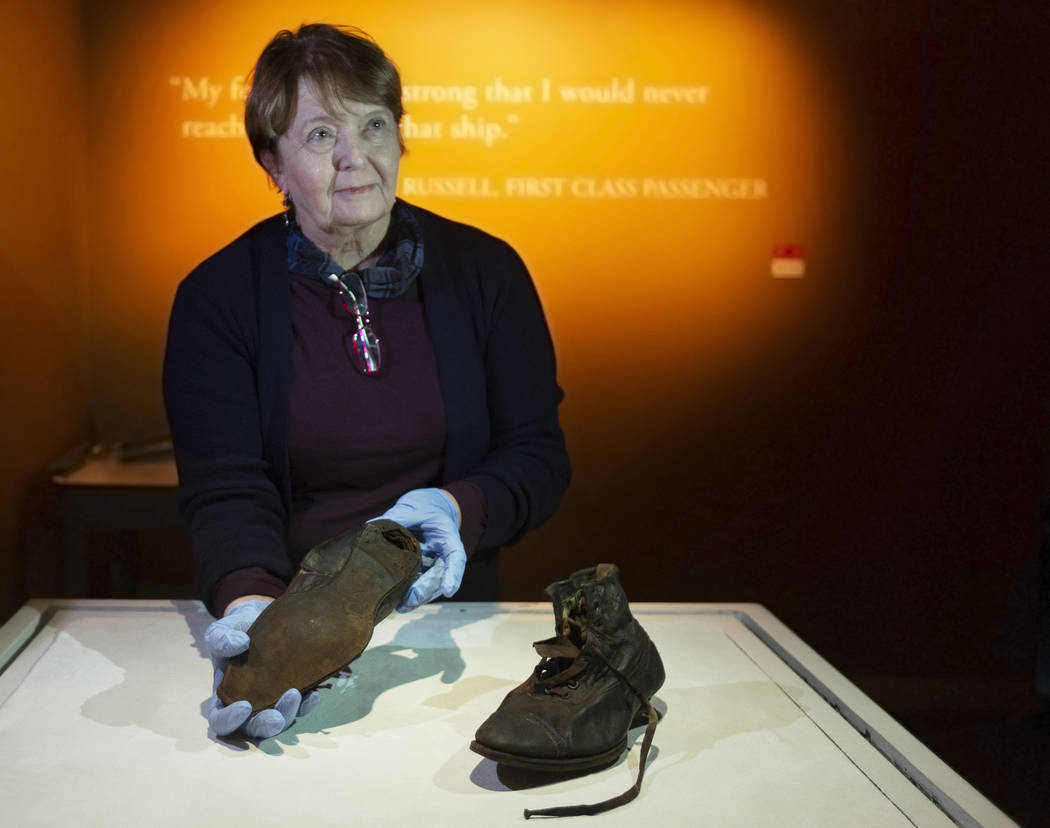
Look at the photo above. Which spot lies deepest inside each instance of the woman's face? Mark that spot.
(340, 170)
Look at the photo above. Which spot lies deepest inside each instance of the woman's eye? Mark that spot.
(320, 134)
(377, 123)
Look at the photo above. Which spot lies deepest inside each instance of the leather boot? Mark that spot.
(344, 587)
(594, 682)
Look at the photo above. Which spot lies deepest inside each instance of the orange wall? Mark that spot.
(41, 266)
(578, 188)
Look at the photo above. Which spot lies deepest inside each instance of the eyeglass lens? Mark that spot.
(362, 346)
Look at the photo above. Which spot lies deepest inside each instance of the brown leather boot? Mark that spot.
(344, 587)
(594, 683)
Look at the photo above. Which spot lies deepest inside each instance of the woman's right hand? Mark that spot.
(227, 637)
(433, 516)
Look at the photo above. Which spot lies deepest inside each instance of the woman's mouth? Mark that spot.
(353, 191)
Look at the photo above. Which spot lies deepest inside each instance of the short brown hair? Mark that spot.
(340, 61)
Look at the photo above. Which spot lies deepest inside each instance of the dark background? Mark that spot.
(878, 487)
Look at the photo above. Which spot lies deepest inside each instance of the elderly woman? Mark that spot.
(352, 357)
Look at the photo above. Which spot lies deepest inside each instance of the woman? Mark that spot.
(351, 358)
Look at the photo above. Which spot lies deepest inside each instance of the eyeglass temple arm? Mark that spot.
(337, 281)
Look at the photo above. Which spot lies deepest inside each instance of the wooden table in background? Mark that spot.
(105, 493)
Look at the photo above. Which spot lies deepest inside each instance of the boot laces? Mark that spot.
(561, 665)
(555, 650)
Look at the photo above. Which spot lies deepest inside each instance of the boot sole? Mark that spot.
(303, 638)
(563, 765)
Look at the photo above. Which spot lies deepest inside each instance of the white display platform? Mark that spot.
(101, 724)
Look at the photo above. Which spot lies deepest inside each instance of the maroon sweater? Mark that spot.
(357, 443)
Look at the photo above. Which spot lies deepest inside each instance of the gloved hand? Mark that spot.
(227, 637)
(432, 515)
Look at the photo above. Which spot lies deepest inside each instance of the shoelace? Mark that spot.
(563, 647)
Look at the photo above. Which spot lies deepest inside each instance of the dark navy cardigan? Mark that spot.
(227, 379)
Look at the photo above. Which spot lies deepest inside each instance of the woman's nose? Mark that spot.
(347, 153)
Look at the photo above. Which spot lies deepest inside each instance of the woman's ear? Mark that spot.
(269, 162)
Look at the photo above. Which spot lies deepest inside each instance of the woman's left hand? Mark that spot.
(227, 637)
(432, 515)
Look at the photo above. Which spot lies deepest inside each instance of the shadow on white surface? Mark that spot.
(420, 649)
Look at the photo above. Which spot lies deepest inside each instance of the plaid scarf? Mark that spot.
(399, 263)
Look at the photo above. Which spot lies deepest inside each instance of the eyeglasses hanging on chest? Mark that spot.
(362, 345)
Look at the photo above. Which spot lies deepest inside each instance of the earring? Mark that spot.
(287, 202)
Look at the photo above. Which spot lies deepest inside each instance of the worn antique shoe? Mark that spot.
(594, 683)
(344, 587)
